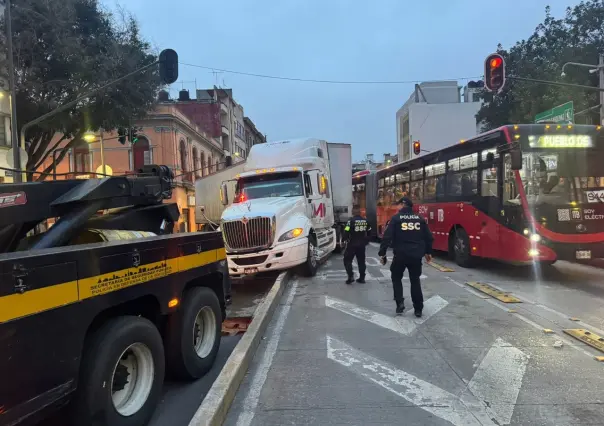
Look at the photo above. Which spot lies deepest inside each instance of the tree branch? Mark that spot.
(48, 152)
(58, 160)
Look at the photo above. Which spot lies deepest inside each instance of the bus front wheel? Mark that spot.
(461, 248)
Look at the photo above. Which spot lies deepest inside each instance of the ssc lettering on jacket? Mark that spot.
(411, 226)
(360, 226)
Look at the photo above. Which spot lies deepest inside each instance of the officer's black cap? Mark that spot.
(407, 201)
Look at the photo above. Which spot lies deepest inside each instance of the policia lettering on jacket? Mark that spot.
(410, 238)
(356, 234)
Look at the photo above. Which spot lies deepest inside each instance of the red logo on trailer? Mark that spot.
(319, 210)
(14, 199)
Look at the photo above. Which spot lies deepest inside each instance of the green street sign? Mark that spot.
(564, 113)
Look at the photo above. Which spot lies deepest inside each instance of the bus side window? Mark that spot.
(489, 182)
(510, 192)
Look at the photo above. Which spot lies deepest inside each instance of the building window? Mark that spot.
(81, 159)
(141, 153)
(196, 166)
(183, 155)
(203, 165)
(210, 165)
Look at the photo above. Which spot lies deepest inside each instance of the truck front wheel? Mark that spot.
(309, 268)
(193, 335)
(121, 374)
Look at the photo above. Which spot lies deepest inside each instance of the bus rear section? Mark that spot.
(548, 206)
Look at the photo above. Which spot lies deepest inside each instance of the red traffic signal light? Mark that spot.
(494, 72)
(416, 148)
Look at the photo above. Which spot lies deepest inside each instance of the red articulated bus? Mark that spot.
(520, 194)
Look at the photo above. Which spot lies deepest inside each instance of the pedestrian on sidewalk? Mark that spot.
(410, 238)
(356, 236)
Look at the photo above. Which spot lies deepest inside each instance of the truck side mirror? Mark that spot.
(224, 194)
(516, 159)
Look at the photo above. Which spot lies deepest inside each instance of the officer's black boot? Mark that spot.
(400, 307)
(350, 279)
(361, 279)
(418, 313)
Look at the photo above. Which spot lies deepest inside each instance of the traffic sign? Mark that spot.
(564, 113)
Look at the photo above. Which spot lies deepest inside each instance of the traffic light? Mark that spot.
(416, 148)
(121, 135)
(494, 72)
(168, 66)
(133, 135)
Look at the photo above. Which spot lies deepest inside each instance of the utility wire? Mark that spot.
(310, 80)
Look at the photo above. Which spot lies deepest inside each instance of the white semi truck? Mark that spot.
(284, 207)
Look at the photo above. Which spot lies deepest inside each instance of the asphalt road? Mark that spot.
(180, 400)
(337, 354)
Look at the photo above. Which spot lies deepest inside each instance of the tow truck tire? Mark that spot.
(120, 342)
(193, 335)
(309, 268)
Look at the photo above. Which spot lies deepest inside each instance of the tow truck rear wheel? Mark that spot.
(121, 374)
(309, 268)
(193, 334)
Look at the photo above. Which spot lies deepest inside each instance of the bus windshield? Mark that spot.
(560, 176)
(287, 184)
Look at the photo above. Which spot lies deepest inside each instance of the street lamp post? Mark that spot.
(593, 68)
(90, 137)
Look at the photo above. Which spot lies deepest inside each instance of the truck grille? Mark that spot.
(247, 234)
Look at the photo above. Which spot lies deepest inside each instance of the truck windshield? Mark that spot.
(559, 177)
(287, 184)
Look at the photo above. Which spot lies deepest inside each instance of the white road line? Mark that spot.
(425, 395)
(571, 343)
(253, 396)
(498, 379)
(398, 324)
(376, 245)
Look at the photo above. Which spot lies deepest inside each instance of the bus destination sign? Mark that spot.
(561, 141)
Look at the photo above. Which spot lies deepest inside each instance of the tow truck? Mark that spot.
(95, 310)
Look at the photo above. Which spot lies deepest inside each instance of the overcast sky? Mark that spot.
(379, 40)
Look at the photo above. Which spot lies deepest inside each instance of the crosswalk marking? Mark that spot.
(399, 324)
(498, 379)
(425, 395)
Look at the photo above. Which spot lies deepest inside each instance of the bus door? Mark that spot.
(491, 188)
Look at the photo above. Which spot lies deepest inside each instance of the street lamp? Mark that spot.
(90, 137)
(592, 69)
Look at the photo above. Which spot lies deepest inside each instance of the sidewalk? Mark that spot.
(336, 354)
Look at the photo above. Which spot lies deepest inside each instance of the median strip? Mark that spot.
(215, 406)
(587, 337)
(493, 292)
(440, 267)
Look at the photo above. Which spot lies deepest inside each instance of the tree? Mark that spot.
(63, 49)
(578, 37)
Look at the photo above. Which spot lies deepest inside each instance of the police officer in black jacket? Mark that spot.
(356, 234)
(410, 239)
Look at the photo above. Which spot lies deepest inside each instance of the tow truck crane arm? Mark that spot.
(137, 200)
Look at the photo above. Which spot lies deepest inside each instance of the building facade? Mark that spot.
(252, 134)
(435, 116)
(167, 137)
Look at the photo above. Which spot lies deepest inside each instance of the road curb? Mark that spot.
(215, 406)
